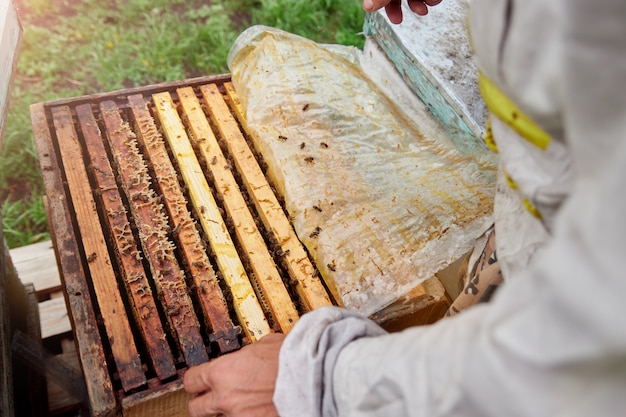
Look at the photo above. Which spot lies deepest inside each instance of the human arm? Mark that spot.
(240, 384)
(552, 342)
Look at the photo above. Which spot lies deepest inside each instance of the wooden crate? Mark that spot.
(172, 246)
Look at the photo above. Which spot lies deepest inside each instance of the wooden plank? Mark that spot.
(437, 67)
(308, 285)
(54, 317)
(128, 257)
(424, 304)
(99, 387)
(146, 90)
(7, 408)
(153, 229)
(94, 245)
(10, 34)
(36, 264)
(189, 240)
(59, 400)
(246, 304)
(266, 275)
(169, 400)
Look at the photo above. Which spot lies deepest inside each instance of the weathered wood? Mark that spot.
(146, 90)
(170, 400)
(186, 234)
(266, 276)
(90, 350)
(59, 400)
(309, 286)
(128, 257)
(424, 304)
(28, 384)
(153, 229)
(95, 249)
(6, 364)
(434, 58)
(54, 317)
(10, 34)
(246, 304)
(36, 264)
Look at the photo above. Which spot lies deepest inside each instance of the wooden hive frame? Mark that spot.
(172, 245)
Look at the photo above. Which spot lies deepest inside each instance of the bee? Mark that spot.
(140, 197)
(173, 310)
(302, 145)
(332, 266)
(282, 138)
(176, 230)
(92, 257)
(315, 232)
(309, 159)
(324, 145)
(305, 107)
(317, 209)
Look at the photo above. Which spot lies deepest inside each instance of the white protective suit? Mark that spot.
(552, 342)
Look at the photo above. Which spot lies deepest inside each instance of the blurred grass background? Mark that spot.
(75, 47)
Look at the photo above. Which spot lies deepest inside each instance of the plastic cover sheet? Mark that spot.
(381, 200)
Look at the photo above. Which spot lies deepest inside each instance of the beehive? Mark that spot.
(172, 245)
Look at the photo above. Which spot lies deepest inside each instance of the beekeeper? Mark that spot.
(552, 342)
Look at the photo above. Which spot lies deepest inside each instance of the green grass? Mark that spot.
(76, 47)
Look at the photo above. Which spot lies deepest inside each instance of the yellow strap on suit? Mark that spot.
(504, 109)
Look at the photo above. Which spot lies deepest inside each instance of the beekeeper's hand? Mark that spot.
(239, 384)
(393, 9)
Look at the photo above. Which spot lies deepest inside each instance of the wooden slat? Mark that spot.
(424, 304)
(99, 386)
(153, 228)
(10, 35)
(59, 400)
(54, 318)
(129, 259)
(266, 274)
(189, 240)
(170, 400)
(92, 238)
(309, 287)
(146, 90)
(36, 264)
(245, 301)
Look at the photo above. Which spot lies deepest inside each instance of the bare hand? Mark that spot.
(239, 384)
(394, 10)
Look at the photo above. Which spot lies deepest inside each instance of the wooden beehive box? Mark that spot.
(172, 245)
(10, 33)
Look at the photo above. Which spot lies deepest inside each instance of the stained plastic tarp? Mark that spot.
(380, 203)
